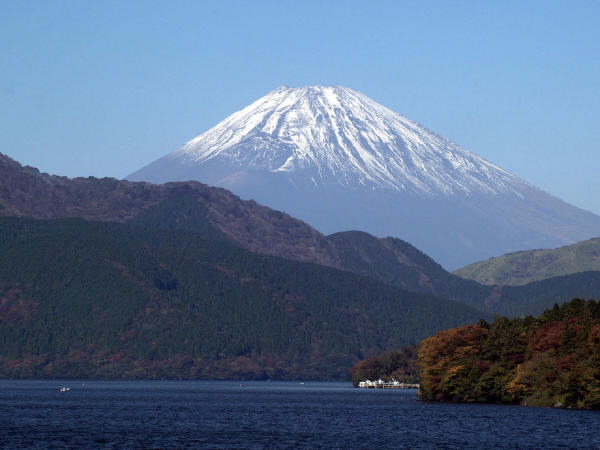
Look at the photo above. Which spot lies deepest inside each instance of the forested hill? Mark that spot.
(109, 300)
(534, 265)
(398, 263)
(26, 192)
(551, 360)
(218, 214)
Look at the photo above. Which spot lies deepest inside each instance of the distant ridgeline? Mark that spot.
(519, 268)
(552, 360)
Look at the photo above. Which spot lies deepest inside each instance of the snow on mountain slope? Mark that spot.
(337, 135)
(338, 160)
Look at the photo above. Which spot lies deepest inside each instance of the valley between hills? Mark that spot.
(102, 278)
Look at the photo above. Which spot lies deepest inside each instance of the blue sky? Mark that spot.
(103, 88)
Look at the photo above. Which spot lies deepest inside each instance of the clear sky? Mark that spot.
(102, 88)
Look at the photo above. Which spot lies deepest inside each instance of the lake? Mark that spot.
(257, 414)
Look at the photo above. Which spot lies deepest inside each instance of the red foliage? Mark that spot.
(78, 355)
(517, 358)
(482, 365)
(574, 325)
(565, 363)
(465, 338)
(547, 337)
(521, 361)
(13, 307)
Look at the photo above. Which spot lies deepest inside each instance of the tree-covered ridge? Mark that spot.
(551, 360)
(26, 192)
(398, 263)
(399, 365)
(519, 268)
(100, 299)
(218, 214)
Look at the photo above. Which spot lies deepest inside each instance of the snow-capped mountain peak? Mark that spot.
(340, 161)
(335, 135)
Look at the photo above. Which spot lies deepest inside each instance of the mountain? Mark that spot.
(219, 215)
(397, 263)
(524, 267)
(340, 161)
(25, 192)
(108, 300)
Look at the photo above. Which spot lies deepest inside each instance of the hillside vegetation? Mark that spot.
(108, 300)
(534, 265)
(217, 214)
(390, 260)
(551, 360)
(25, 192)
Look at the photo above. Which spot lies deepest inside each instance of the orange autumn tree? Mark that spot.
(447, 361)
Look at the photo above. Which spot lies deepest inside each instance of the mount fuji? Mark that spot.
(338, 160)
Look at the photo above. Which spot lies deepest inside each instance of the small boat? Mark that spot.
(64, 389)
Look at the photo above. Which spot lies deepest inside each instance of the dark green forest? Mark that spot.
(107, 300)
(398, 263)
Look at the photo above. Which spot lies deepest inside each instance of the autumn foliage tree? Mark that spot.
(552, 360)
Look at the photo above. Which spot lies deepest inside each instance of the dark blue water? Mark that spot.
(269, 414)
